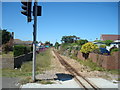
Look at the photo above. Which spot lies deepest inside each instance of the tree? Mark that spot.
(5, 36)
(6, 48)
(108, 42)
(98, 41)
(87, 48)
(69, 39)
(51, 44)
(57, 45)
(47, 43)
(81, 42)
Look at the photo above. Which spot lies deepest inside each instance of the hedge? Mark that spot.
(21, 49)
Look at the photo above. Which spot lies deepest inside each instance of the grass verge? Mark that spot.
(43, 61)
(8, 55)
(94, 67)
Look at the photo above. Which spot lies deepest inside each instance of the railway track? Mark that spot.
(82, 81)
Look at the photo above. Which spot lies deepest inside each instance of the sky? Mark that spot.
(87, 20)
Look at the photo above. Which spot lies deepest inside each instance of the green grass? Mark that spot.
(8, 55)
(94, 67)
(91, 65)
(118, 79)
(117, 72)
(43, 61)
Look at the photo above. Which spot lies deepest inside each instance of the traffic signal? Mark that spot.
(39, 10)
(27, 9)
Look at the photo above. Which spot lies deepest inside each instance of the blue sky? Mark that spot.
(87, 20)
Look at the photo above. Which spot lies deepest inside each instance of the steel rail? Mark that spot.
(74, 72)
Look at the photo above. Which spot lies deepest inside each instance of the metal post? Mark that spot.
(34, 40)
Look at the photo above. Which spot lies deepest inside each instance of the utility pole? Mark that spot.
(34, 39)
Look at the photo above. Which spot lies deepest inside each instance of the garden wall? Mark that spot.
(18, 61)
(15, 62)
(7, 62)
(107, 62)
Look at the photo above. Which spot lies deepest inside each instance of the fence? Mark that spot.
(18, 61)
(15, 62)
(105, 61)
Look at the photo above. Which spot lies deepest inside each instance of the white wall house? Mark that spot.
(116, 43)
(98, 43)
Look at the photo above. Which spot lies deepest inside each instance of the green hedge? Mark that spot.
(21, 49)
(102, 46)
(114, 50)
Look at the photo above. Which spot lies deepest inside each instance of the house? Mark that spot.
(17, 41)
(20, 42)
(116, 43)
(99, 43)
(109, 37)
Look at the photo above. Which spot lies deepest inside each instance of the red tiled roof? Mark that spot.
(110, 37)
(18, 41)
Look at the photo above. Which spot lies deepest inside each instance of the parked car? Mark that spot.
(104, 51)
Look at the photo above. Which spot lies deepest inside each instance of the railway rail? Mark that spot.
(82, 81)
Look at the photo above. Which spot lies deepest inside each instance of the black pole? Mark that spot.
(34, 40)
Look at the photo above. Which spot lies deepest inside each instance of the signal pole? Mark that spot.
(26, 6)
(34, 40)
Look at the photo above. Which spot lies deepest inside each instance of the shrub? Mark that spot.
(21, 49)
(81, 42)
(78, 47)
(88, 47)
(97, 51)
(102, 46)
(114, 50)
(7, 48)
(108, 42)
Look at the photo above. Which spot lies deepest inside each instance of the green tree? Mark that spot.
(81, 42)
(47, 43)
(108, 42)
(69, 39)
(98, 41)
(51, 44)
(88, 47)
(57, 45)
(102, 46)
(5, 36)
